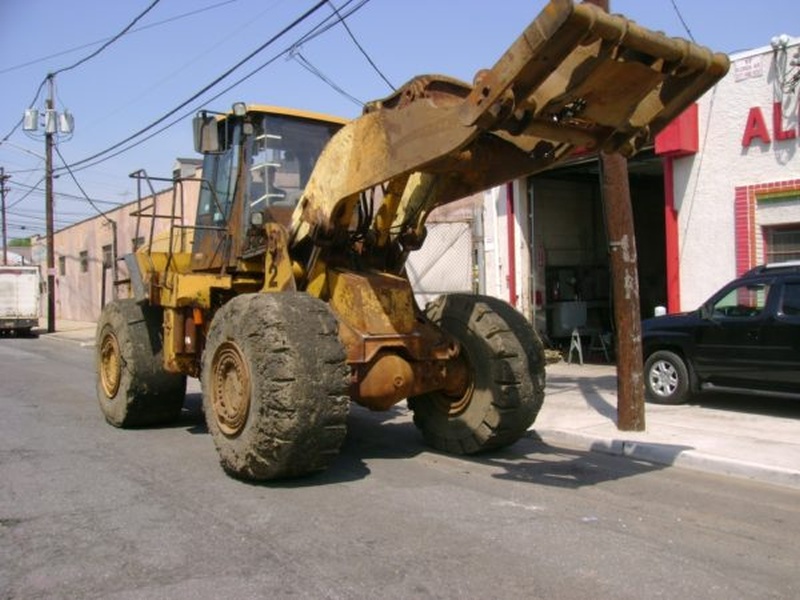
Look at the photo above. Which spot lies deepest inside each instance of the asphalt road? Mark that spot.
(89, 511)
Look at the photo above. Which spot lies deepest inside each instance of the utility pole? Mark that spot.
(616, 197)
(51, 124)
(3, 178)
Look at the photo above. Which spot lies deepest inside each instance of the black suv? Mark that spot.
(746, 337)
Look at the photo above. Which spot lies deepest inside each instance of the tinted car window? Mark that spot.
(747, 300)
(790, 304)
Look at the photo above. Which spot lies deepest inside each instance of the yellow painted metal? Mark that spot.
(192, 289)
(278, 269)
(230, 388)
(388, 210)
(577, 79)
(373, 303)
(295, 112)
(179, 343)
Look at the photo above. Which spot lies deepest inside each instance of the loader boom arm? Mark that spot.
(576, 79)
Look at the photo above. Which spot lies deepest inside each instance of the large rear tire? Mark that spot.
(133, 388)
(506, 360)
(275, 385)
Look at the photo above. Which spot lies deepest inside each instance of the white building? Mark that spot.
(717, 194)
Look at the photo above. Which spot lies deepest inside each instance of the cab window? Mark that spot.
(744, 301)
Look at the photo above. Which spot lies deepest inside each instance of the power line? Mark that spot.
(77, 183)
(303, 62)
(32, 189)
(217, 80)
(36, 189)
(364, 52)
(315, 32)
(109, 42)
(683, 22)
(137, 29)
(80, 62)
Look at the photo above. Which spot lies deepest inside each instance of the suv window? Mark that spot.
(790, 304)
(746, 300)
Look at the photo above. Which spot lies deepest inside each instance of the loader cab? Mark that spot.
(257, 162)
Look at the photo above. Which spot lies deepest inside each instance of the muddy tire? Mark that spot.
(275, 386)
(506, 359)
(133, 388)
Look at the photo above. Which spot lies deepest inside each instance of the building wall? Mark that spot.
(84, 283)
(720, 220)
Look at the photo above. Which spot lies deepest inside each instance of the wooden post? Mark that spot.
(616, 197)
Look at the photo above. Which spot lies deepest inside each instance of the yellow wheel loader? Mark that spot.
(289, 298)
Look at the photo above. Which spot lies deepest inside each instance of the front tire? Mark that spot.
(666, 378)
(275, 385)
(133, 388)
(506, 360)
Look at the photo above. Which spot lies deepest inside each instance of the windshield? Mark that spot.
(282, 153)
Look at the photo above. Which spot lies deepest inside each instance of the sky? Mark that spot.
(180, 47)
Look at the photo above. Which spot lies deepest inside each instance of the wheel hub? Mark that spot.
(457, 393)
(110, 364)
(663, 378)
(230, 389)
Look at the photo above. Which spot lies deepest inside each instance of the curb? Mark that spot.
(664, 454)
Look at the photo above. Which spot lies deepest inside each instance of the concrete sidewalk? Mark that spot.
(733, 436)
(729, 435)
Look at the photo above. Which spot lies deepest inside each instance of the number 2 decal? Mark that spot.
(273, 275)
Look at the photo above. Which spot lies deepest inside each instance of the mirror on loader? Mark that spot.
(206, 134)
(209, 137)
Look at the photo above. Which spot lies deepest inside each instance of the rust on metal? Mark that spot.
(230, 388)
(110, 364)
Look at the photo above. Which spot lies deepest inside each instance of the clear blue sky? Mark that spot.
(181, 46)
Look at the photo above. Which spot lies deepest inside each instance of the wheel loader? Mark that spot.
(289, 298)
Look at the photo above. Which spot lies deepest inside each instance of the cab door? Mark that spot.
(217, 215)
(781, 339)
(730, 340)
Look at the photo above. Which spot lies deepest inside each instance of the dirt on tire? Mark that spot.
(275, 385)
(507, 362)
(133, 388)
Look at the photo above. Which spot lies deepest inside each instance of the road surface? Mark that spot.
(90, 511)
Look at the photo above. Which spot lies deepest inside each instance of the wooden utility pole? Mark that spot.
(51, 127)
(3, 178)
(616, 197)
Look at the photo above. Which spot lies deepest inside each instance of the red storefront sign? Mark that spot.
(756, 127)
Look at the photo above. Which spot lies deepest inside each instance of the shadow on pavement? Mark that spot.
(748, 403)
(592, 389)
(532, 460)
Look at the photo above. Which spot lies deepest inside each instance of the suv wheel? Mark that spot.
(666, 378)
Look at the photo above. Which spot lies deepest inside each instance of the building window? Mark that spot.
(84, 258)
(62, 265)
(783, 243)
(107, 258)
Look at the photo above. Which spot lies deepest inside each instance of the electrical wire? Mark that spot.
(77, 183)
(50, 76)
(303, 62)
(28, 193)
(137, 29)
(35, 188)
(207, 87)
(364, 52)
(31, 103)
(683, 22)
(315, 32)
(108, 43)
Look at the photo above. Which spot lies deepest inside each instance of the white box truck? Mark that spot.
(19, 299)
